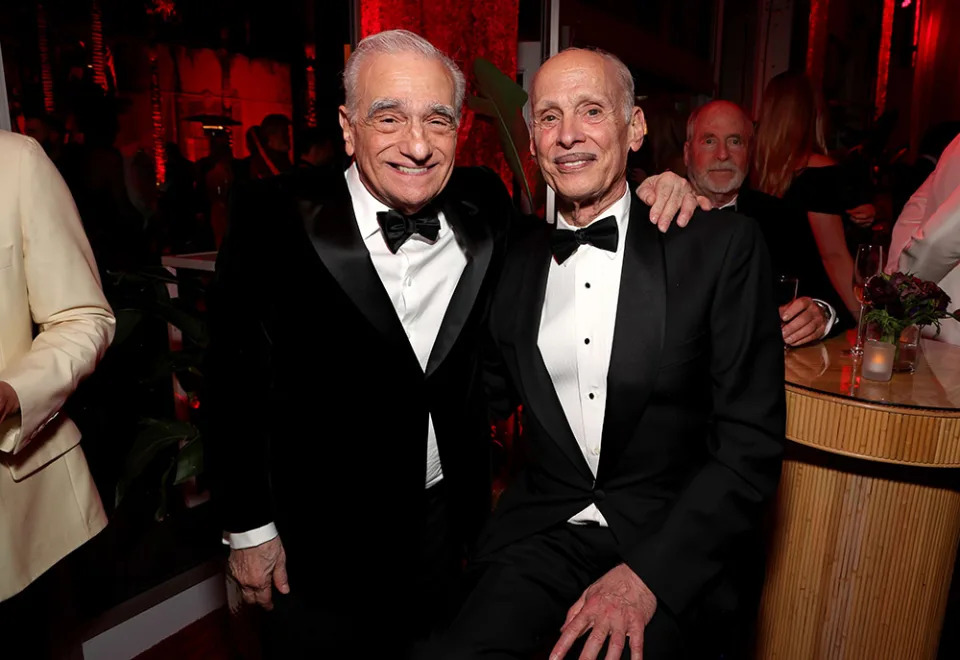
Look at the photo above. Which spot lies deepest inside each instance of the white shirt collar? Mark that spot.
(620, 209)
(732, 204)
(365, 205)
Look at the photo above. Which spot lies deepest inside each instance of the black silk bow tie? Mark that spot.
(602, 234)
(397, 228)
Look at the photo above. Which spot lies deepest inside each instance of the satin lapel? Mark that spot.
(332, 229)
(637, 336)
(474, 237)
(541, 395)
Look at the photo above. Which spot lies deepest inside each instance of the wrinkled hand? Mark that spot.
(803, 322)
(618, 605)
(863, 215)
(258, 569)
(9, 401)
(670, 195)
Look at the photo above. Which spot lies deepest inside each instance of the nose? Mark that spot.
(415, 144)
(570, 132)
(722, 152)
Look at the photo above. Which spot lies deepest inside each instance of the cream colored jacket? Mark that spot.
(55, 324)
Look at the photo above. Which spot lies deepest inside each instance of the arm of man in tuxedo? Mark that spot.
(723, 502)
(238, 367)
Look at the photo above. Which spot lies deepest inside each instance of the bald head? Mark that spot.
(584, 126)
(717, 150)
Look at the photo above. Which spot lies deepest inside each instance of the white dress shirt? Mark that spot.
(823, 304)
(926, 238)
(576, 337)
(420, 280)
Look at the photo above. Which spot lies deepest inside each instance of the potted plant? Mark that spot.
(900, 304)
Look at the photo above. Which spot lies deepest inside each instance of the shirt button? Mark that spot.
(590, 396)
(587, 340)
(587, 285)
(599, 495)
(408, 282)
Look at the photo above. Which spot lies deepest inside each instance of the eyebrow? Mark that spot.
(442, 109)
(379, 105)
(578, 100)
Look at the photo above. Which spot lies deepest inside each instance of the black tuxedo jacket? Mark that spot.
(694, 421)
(318, 405)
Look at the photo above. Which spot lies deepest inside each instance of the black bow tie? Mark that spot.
(602, 234)
(397, 228)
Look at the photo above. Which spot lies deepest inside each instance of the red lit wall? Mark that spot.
(464, 29)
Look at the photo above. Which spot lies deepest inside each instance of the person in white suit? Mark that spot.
(55, 325)
(926, 238)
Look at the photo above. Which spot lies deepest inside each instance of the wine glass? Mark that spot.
(785, 290)
(869, 262)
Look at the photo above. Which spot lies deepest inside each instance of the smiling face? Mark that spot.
(717, 154)
(581, 136)
(404, 134)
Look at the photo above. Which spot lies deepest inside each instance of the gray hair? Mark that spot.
(392, 42)
(624, 77)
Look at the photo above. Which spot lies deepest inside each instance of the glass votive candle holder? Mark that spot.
(878, 360)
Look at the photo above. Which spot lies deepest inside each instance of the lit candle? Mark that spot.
(878, 359)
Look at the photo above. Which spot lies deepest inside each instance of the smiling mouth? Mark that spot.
(573, 162)
(417, 170)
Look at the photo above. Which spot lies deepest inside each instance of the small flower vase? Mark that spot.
(908, 350)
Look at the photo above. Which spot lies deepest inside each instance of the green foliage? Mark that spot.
(502, 99)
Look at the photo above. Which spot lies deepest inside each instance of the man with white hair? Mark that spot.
(717, 154)
(349, 424)
(650, 370)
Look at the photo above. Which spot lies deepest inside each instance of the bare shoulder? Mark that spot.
(820, 160)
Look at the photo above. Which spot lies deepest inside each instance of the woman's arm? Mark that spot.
(828, 232)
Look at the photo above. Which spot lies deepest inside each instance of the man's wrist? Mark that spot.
(251, 538)
(829, 316)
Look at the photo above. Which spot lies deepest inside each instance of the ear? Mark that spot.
(348, 142)
(533, 146)
(637, 128)
(686, 154)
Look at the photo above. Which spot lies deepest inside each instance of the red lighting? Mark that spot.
(817, 40)
(310, 51)
(883, 58)
(46, 75)
(464, 29)
(96, 44)
(156, 115)
(905, 3)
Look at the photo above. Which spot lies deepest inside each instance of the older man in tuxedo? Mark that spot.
(55, 325)
(650, 368)
(717, 154)
(349, 422)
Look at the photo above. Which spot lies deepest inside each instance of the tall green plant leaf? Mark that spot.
(155, 437)
(502, 99)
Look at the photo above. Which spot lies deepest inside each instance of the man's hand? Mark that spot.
(258, 569)
(863, 215)
(9, 401)
(803, 322)
(670, 195)
(618, 605)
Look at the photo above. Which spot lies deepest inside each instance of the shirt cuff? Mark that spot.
(255, 537)
(830, 321)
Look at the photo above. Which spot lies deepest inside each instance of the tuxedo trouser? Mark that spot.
(326, 625)
(523, 591)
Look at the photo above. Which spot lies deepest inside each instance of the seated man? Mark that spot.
(717, 155)
(650, 369)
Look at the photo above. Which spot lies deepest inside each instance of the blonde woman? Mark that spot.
(791, 163)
